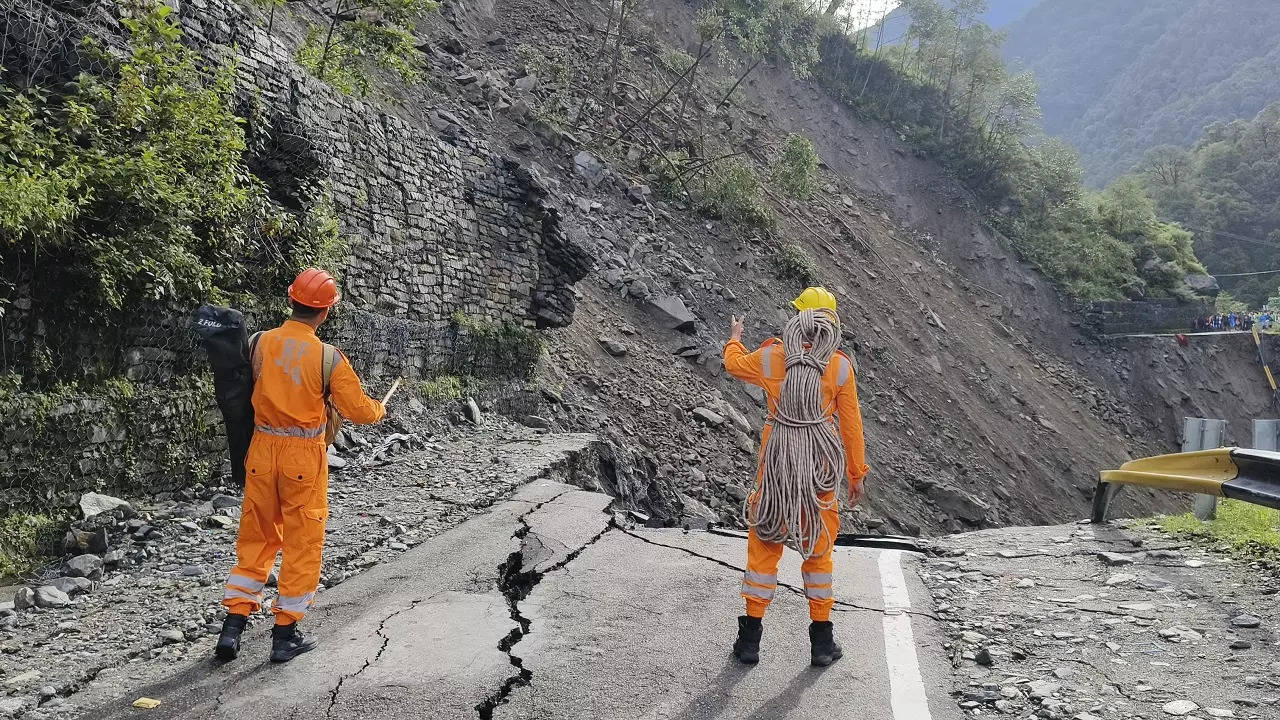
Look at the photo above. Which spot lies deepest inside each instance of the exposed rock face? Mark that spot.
(1203, 285)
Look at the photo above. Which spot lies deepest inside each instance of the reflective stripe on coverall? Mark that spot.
(766, 368)
(286, 470)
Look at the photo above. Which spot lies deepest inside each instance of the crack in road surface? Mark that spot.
(516, 584)
(799, 591)
(386, 639)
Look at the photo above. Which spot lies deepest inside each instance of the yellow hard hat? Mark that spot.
(815, 298)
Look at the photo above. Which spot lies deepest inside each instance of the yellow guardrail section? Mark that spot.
(1194, 472)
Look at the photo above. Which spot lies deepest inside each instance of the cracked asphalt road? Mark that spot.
(548, 607)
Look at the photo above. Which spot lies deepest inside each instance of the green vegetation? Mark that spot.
(1227, 303)
(793, 262)
(124, 192)
(731, 191)
(23, 542)
(787, 30)
(493, 349)
(130, 189)
(444, 388)
(1118, 78)
(796, 170)
(364, 35)
(1227, 190)
(1245, 527)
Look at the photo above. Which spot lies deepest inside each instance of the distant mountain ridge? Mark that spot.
(1118, 78)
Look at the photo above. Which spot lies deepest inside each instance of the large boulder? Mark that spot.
(83, 541)
(707, 416)
(957, 503)
(588, 167)
(614, 347)
(48, 596)
(1206, 285)
(73, 586)
(673, 313)
(96, 503)
(85, 566)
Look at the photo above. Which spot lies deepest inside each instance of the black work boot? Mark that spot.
(228, 646)
(823, 647)
(287, 643)
(747, 647)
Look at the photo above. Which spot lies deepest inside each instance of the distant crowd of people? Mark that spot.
(1242, 321)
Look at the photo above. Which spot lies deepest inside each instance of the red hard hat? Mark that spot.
(314, 288)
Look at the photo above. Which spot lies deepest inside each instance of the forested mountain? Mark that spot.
(1118, 77)
(1227, 191)
(946, 86)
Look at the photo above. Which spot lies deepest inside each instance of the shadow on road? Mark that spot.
(712, 701)
(789, 699)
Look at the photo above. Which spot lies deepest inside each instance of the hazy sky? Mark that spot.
(872, 9)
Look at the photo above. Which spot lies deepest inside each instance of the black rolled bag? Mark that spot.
(226, 341)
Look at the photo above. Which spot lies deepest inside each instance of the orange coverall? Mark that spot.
(286, 470)
(766, 367)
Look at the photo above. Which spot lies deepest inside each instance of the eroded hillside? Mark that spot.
(528, 179)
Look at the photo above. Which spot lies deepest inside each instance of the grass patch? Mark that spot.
(23, 538)
(1243, 526)
(793, 262)
(444, 388)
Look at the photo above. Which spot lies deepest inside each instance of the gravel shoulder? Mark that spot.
(1115, 621)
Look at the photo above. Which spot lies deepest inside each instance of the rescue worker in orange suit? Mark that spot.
(810, 386)
(286, 469)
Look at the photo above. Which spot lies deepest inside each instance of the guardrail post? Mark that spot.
(1266, 435)
(1203, 434)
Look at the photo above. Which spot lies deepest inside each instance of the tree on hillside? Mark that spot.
(1226, 190)
(361, 35)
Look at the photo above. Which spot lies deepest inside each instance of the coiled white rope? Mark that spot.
(804, 457)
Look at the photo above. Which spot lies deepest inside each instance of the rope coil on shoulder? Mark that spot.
(804, 458)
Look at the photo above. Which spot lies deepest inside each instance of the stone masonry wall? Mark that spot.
(1115, 317)
(439, 223)
(132, 444)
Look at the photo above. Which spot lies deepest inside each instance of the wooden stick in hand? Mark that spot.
(395, 385)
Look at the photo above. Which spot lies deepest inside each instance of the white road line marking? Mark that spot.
(906, 687)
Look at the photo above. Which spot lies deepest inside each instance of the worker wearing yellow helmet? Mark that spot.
(803, 461)
(814, 298)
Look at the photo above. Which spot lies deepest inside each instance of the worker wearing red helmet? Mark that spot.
(286, 469)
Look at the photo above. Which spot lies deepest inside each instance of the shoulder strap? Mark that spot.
(329, 360)
(253, 350)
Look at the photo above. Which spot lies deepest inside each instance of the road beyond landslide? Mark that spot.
(551, 606)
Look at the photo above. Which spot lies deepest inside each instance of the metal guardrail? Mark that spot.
(1236, 473)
